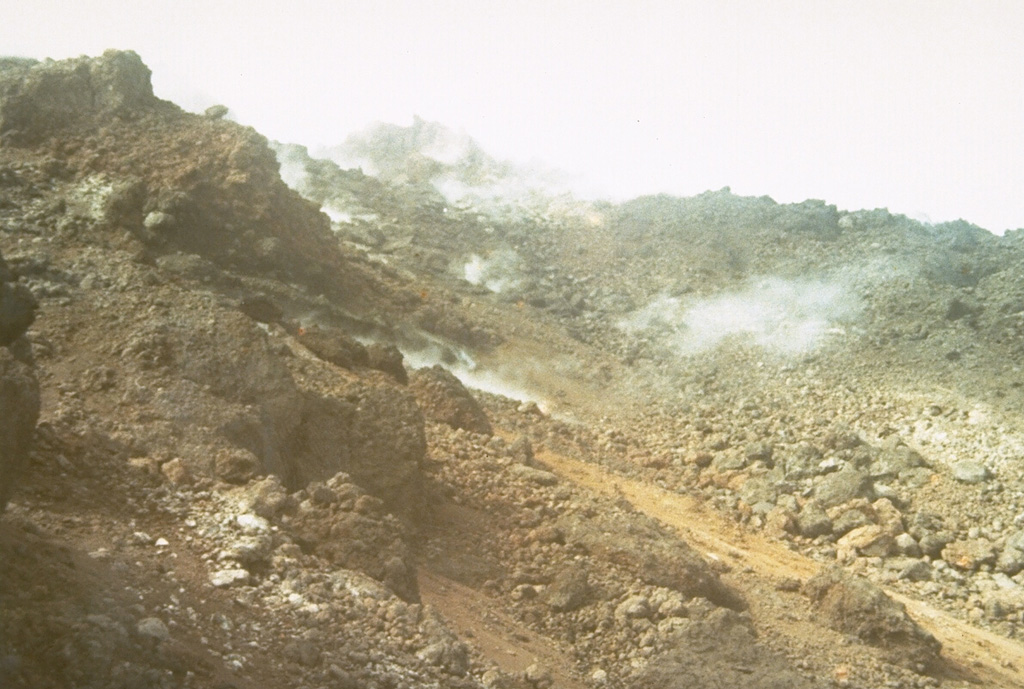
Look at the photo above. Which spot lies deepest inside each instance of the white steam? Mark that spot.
(336, 215)
(497, 272)
(293, 170)
(473, 376)
(789, 317)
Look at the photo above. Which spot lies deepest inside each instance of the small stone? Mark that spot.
(537, 476)
(302, 652)
(266, 497)
(634, 607)
(342, 679)
(216, 112)
(569, 591)
(369, 505)
(969, 555)
(153, 628)
(907, 545)
(495, 679)
(997, 607)
(235, 465)
(850, 519)
(843, 486)
(524, 592)
(161, 543)
(780, 520)
(176, 472)
(249, 550)
(252, 524)
(918, 570)
(971, 472)
(229, 577)
(813, 521)
(538, 675)
(530, 408)
(599, 677)
(870, 541)
(889, 518)
(759, 451)
(1010, 561)
(521, 450)
(729, 461)
(932, 544)
(158, 220)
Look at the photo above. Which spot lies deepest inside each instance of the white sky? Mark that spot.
(913, 105)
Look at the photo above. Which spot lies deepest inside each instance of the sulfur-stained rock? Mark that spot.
(970, 554)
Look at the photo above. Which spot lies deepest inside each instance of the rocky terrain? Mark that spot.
(457, 429)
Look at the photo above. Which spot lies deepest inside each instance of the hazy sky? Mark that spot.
(913, 105)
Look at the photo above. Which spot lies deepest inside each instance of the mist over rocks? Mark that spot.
(229, 485)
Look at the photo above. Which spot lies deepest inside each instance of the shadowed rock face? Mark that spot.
(17, 307)
(19, 390)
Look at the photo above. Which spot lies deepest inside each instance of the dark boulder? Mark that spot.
(334, 346)
(388, 358)
(17, 307)
(445, 399)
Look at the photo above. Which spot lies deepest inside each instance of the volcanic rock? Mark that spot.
(17, 307)
(445, 399)
(41, 99)
(333, 345)
(858, 607)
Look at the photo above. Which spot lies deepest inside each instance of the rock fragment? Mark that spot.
(445, 399)
(856, 606)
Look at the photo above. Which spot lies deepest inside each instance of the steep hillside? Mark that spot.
(253, 466)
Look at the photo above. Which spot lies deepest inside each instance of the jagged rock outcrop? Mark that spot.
(651, 558)
(165, 181)
(40, 99)
(183, 199)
